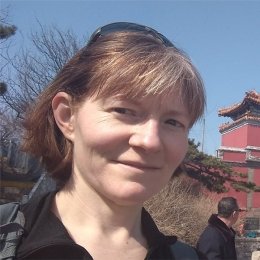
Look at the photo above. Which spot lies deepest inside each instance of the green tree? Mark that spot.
(6, 31)
(212, 172)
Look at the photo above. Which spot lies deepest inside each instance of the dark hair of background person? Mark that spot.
(227, 206)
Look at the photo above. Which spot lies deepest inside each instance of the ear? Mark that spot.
(234, 214)
(63, 114)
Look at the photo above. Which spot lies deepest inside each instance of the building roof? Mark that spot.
(240, 121)
(249, 105)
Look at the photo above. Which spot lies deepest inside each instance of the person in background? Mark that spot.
(217, 241)
(111, 129)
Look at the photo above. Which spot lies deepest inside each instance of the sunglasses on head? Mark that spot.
(125, 26)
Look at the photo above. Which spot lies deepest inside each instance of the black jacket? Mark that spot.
(217, 241)
(46, 238)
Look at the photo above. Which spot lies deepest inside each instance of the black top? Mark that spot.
(217, 241)
(46, 238)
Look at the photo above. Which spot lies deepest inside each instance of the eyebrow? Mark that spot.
(138, 102)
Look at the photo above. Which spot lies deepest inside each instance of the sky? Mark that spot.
(222, 38)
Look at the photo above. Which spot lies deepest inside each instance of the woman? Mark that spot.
(111, 129)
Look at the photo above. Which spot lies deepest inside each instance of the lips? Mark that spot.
(139, 165)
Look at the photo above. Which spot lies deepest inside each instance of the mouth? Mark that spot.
(138, 165)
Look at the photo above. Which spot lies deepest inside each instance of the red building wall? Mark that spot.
(253, 135)
(241, 196)
(234, 156)
(242, 136)
(236, 138)
(255, 153)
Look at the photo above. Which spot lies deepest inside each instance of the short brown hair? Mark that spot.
(129, 63)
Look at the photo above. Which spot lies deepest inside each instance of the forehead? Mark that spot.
(140, 92)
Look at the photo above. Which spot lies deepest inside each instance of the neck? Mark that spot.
(105, 229)
(91, 212)
(227, 221)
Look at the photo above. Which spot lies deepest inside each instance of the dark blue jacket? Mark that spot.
(217, 241)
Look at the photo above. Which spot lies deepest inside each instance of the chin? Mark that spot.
(135, 196)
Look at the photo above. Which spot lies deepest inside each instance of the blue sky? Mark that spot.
(221, 37)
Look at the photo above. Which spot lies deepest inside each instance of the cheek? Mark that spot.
(178, 149)
(100, 138)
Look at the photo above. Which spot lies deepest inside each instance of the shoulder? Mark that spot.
(8, 212)
(11, 218)
(183, 251)
(37, 206)
(11, 229)
(211, 231)
(211, 237)
(37, 202)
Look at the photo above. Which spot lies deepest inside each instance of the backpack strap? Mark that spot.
(11, 229)
(182, 251)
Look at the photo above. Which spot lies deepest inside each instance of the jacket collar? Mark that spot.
(218, 223)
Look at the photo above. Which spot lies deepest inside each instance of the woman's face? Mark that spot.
(127, 150)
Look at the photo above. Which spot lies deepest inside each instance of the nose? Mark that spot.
(146, 136)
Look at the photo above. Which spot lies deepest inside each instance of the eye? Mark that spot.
(175, 123)
(124, 111)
